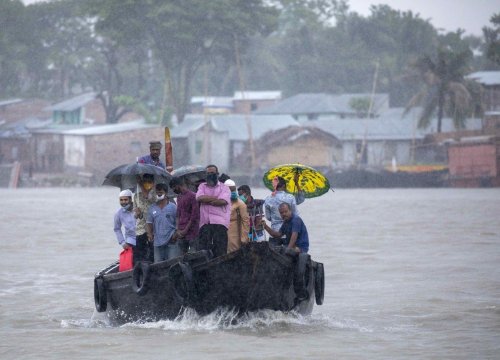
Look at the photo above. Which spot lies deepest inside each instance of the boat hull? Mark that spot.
(257, 276)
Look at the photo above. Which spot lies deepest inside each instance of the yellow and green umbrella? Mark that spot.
(311, 181)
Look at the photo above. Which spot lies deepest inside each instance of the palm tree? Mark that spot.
(445, 90)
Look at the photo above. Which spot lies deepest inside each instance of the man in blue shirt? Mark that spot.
(154, 155)
(293, 228)
(161, 224)
(124, 217)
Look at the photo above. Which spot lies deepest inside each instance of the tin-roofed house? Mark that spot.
(246, 102)
(211, 105)
(222, 139)
(391, 137)
(91, 151)
(307, 145)
(490, 82)
(313, 106)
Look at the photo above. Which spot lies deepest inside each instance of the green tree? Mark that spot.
(492, 38)
(185, 33)
(13, 46)
(444, 91)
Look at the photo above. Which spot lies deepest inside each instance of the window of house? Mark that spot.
(253, 106)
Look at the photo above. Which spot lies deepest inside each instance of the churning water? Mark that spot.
(410, 273)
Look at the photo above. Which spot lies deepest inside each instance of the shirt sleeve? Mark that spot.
(118, 228)
(195, 210)
(267, 210)
(225, 194)
(200, 191)
(296, 224)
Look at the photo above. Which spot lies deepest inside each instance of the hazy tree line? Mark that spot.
(151, 56)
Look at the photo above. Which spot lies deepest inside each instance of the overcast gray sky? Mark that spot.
(470, 15)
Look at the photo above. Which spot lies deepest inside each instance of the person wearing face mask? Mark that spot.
(154, 155)
(255, 212)
(239, 225)
(124, 218)
(188, 215)
(215, 210)
(160, 226)
(143, 199)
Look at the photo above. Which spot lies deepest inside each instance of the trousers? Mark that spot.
(213, 237)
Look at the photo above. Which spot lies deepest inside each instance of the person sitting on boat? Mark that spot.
(215, 213)
(273, 201)
(255, 212)
(143, 199)
(293, 229)
(154, 155)
(160, 226)
(124, 218)
(239, 225)
(188, 215)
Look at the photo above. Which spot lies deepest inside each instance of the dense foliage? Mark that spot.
(153, 55)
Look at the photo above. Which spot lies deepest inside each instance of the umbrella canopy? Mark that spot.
(125, 176)
(311, 181)
(192, 175)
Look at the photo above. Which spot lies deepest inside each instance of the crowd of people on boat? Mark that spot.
(218, 216)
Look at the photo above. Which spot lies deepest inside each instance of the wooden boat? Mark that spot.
(257, 276)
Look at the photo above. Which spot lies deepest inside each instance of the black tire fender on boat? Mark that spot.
(100, 299)
(140, 278)
(181, 275)
(319, 283)
(300, 276)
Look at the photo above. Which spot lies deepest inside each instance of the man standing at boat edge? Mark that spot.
(124, 217)
(215, 212)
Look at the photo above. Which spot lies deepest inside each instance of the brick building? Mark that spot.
(93, 150)
(474, 161)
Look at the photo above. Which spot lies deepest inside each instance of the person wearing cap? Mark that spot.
(124, 218)
(215, 211)
(154, 155)
(239, 225)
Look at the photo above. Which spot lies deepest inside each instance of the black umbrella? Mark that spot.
(126, 176)
(193, 175)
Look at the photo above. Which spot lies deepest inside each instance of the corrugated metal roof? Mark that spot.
(234, 124)
(10, 102)
(213, 101)
(73, 103)
(257, 95)
(97, 129)
(486, 77)
(321, 103)
(391, 125)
